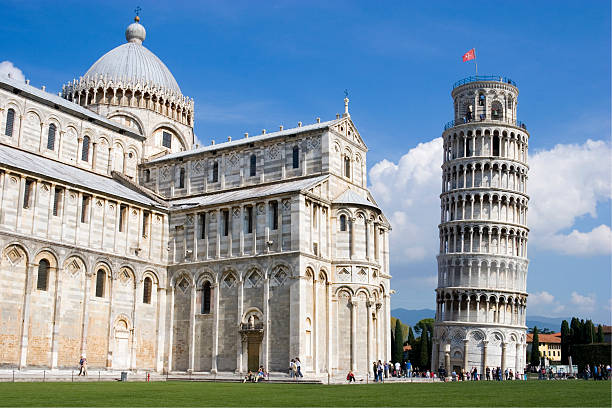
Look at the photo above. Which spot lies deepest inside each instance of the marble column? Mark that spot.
(215, 345)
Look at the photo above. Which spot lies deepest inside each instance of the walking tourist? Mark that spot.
(298, 366)
(84, 366)
(81, 366)
(380, 371)
(292, 368)
(488, 376)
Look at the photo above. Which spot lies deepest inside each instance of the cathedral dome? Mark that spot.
(132, 62)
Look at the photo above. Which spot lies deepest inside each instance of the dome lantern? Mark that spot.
(135, 33)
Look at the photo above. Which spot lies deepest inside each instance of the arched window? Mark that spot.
(296, 157)
(100, 282)
(85, 151)
(496, 145)
(146, 290)
(481, 100)
(10, 121)
(343, 222)
(206, 298)
(497, 111)
(347, 167)
(215, 172)
(182, 178)
(51, 137)
(253, 169)
(43, 274)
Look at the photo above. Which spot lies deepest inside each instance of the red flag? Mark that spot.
(470, 55)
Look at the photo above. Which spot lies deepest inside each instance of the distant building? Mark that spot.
(550, 346)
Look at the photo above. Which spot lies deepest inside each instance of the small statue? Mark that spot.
(251, 322)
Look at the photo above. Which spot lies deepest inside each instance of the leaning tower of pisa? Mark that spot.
(482, 264)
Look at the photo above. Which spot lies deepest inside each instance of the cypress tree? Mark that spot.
(565, 342)
(600, 335)
(411, 339)
(398, 346)
(535, 349)
(575, 331)
(423, 351)
(589, 332)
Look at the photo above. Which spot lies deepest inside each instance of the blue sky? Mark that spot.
(254, 65)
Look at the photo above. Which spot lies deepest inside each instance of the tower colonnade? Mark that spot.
(481, 297)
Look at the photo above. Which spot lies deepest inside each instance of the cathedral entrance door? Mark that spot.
(253, 353)
(121, 352)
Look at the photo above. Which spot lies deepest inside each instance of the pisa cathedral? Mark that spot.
(482, 264)
(124, 242)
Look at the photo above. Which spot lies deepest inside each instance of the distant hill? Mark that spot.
(543, 322)
(411, 317)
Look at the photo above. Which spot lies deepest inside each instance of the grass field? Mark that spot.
(157, 394)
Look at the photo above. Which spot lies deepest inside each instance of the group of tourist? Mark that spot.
(256, 377)
(295, 368)
(599, 372)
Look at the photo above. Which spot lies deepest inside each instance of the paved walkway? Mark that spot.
(67, 375)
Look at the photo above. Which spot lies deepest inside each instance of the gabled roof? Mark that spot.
(248, 193)
(63, 105)
(247, 140)
(350, 197)
(45, 167)
(545, 338)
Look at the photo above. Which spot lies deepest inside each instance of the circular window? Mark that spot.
(130, 155)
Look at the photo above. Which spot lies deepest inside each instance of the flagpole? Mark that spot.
(476, 63)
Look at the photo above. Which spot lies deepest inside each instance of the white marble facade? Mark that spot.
(482, 265)
(124, 242)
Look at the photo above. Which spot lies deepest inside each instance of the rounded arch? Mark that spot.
(74, 263)
(50, 254)
(251, 311)
(206, 275)
(174, 129)
(363, 290)
(180, 275)
(121, 112)
(122, 322)
(35, 112)
(344, 289)
(149, 273)
(15, 252)
(13, 104)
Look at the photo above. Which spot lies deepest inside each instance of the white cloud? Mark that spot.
(544, 303)
(409, 194)
(584, 303)
(7, 68)
(565, 183)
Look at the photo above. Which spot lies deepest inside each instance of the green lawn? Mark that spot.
(157, 394)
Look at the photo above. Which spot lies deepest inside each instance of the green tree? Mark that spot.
(600, 335)
(589, 332)
(423, 352)
(425, 329)
(576, 331)
(398, 345)
(565, 342)
(411, 339)
(535, 349)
